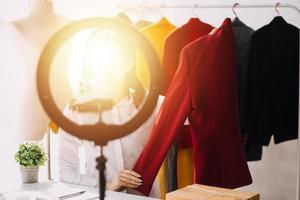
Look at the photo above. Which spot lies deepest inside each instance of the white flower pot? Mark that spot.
(29, 174)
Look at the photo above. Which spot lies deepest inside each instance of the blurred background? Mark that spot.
(274, 177)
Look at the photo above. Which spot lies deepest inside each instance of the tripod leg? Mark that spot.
(102, 182)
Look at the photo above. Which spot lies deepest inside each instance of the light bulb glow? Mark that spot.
(98, 65)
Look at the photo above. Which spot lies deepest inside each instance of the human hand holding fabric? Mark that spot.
(125, 179)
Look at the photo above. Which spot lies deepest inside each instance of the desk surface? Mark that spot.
(42, 187)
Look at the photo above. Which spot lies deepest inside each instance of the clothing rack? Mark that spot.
(222, 6)
(225, 6)
(233, 6)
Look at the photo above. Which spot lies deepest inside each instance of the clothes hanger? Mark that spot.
(278, 17)
(142, 22)
(121, 14)
(45, 0)
(233, 10)
(161, 7)
(276, 8)
(194, 17)
(141, 9)
(193, 10)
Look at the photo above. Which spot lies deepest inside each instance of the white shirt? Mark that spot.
(120, 153)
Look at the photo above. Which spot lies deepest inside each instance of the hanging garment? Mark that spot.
(123, 17)
(183, 174)
(243, 34)
(273, 79)
(176, 41)
(121, 153)
(141, 24)
(204, 89)
(156, 34)
(180, 167)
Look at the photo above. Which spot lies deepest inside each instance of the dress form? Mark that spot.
(34, 31)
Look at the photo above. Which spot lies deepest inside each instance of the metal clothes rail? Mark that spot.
(233, 7)
(222, 6)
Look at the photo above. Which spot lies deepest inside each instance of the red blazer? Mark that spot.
(204, 89)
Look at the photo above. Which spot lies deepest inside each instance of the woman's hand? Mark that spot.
(125, 179)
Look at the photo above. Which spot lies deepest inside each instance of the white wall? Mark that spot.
(274, 177)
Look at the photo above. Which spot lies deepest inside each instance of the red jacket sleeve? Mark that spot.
(169, 63)
(172, 115)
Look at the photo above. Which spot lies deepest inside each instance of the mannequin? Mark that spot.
(34, 31)
(41, 23)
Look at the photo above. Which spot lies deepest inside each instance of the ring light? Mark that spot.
(100, 133)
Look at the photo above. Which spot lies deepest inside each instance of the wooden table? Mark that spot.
(40, 191)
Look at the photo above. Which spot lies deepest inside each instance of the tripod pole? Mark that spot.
(101, 160)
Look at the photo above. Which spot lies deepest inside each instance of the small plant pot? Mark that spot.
(29, 174)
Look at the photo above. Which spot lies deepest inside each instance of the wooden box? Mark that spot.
(203, 192)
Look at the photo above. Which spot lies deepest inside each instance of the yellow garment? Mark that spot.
(141, 24)
(156, 34)
(122, 16)
(185, 167)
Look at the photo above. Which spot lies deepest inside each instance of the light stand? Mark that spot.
(100, 133)
(101, 160)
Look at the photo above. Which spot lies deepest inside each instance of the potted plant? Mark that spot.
(30, 156)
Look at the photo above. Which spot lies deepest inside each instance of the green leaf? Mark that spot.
(30, 154)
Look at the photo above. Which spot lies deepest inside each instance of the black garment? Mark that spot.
(172, 166)
(172, 157)
(273, 79)
(243, 34)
